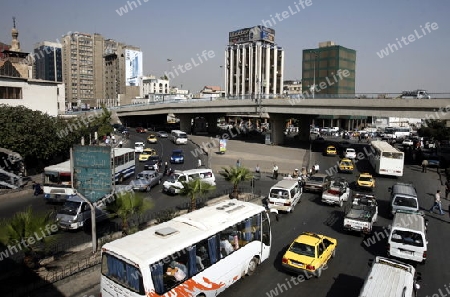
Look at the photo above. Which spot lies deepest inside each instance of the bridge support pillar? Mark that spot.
(277, 128)
(185, 122)
(212, 123)
(304, 124)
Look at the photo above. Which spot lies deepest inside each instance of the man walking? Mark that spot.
(424, 166)
(437, 203)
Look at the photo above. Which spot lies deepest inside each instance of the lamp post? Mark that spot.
(220, 78)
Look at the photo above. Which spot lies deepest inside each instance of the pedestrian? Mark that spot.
(310, 172)
(295, 173)
(437, 203)
(316, 168)
(199, 164)
(424, 165)
(113, 138)
(275, 171)
(238, 163)
(120, 143)
(257, 169)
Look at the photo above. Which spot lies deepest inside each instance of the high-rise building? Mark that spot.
(99, 71)
(329, 69)
(254, 63)
(47, 58)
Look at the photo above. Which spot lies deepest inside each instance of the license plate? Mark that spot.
(279, 203)
(407, 252)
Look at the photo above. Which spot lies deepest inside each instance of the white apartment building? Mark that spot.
(153, 85)
(254, 63)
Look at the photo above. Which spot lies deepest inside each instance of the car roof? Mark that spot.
(350, 149)
(309, 238)
(346, 160)
(365, 174)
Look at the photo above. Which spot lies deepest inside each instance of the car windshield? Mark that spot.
(407, 237)
(302, 249)
(316, 179)
(182, 135)
(350, 150)
(365, 178)
(176, 154)
(346, 163)
(404, 201)
(70, 207)
(173, 178)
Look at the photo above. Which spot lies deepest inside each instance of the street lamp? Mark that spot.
(220, 77)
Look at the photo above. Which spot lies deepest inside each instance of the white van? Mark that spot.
(285, 195)
(178, 137)
(403, 197)
(173, 184)
(76, 212)
(390, 278)
(407, 239)
(139, 147)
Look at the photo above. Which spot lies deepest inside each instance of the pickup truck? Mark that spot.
(417, 94)
(362, 214)
(337, 193)
(146, 180)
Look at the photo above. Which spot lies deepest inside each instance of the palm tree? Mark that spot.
(24, 230)
(193, 188)
(125, 206)
(236, 175)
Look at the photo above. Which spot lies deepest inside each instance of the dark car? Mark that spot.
(177, 157)
(150, 164)
(140, 130)
(318, 182)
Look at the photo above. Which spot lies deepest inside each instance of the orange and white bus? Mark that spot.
(196, 254)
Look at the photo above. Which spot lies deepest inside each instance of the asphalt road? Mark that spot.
(346, 273)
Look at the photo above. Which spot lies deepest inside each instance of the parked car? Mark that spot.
(162, 134)
(309, 253)
(150, 164)
(177, 157)
(140, 130)
(146, 180)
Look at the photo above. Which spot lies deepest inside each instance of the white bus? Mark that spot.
(196, 254)
(58, 178)
(385, 159)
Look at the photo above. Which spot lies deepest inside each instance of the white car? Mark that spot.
(139, 147)
(408, 142)
(350, 153)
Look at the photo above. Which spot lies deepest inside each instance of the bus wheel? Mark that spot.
(252, 266)
(201, 295)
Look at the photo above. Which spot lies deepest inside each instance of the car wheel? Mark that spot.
(319, 272)
(148, 189)
(252, 266)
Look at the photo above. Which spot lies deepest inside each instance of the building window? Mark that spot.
(10, 93)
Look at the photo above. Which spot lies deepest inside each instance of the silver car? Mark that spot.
(162, 134)
(146, 180)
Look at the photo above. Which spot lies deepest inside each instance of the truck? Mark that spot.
(416, 94)
(362, 213)
(337, 193)
(76, 212)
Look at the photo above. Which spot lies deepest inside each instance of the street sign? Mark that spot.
(92, 171)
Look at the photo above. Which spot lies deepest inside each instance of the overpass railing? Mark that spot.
(272, 96)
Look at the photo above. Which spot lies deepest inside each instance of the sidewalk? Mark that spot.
(251, 154)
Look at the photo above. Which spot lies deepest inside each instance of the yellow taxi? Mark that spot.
(331, 150)
(309, 254)
(346, 165)
(366, 181)
(152, 138)
(147, 153)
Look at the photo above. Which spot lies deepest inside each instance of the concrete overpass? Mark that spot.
(278, 110)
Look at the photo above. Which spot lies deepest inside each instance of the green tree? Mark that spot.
(25, 230)
(236, 175)
(435, 129)
(127, 205)
(194, 188)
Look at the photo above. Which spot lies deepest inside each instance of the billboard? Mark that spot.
(92, 171)
(133, 67)
(257, 33)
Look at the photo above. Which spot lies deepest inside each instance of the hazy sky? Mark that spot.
(179, 30)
